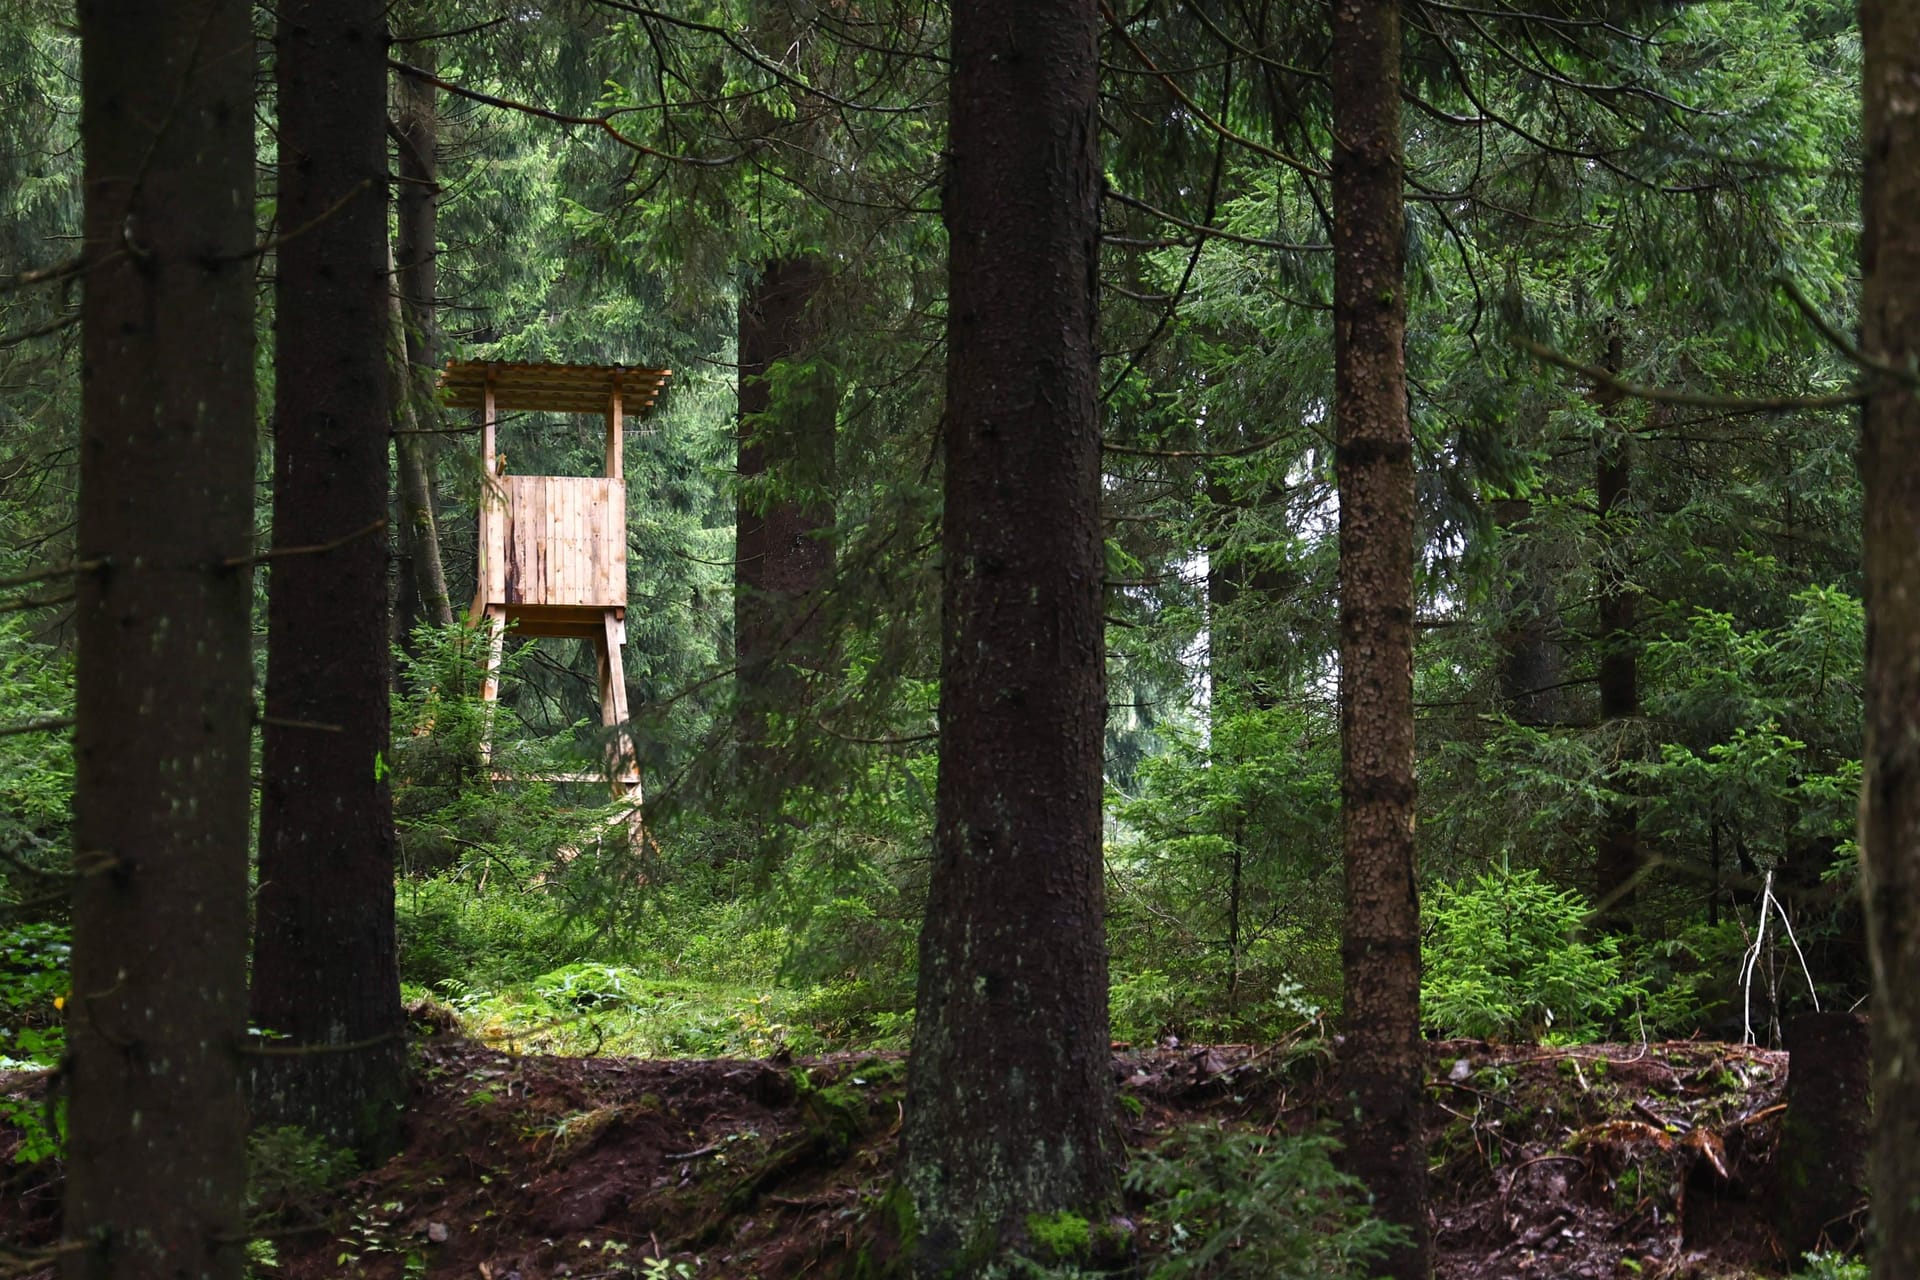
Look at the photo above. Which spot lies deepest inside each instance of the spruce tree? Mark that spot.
(1382, 1067)
(325, 977)
(156, 1156)
(1890, 470)
(1009, 1088)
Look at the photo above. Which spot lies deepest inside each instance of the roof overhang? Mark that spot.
(553, 388)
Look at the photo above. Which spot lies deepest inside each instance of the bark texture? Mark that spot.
(1009, 1092)
(324, 971)
(783, 546)
(156, 1157)
(1381, 1061)
(1890, 474)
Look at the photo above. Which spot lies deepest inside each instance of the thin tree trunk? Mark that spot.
(324, 972)
(1009, 1090)
(1617, 857)
(1890, 474)
(416, 278)
(156, 1155)
(783, 548)
(1382, 1063)
(420, 532)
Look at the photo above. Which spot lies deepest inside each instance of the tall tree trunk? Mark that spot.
(1381, 1062)
(1009, 1089)
(783, 548)
(1890, 473)
(324, 972)
(156, 1156)
(1617, 857)
(416, 278)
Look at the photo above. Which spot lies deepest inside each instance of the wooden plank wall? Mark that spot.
(562, 541)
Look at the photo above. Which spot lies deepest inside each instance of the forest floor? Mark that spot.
(1596, 1161)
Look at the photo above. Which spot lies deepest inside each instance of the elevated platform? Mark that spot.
(553, 549)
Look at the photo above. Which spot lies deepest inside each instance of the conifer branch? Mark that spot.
(66, 321)
(1185, 99)
(603, 123)
(58, 571)
(51, 725)
(1841, 342)
(318, 548)
(1608, 381)
(46, 602)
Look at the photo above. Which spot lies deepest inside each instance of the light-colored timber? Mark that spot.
(553, 549)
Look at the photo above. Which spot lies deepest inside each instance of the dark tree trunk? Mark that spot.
(156, 1153)
(1820, 1176)
(1617, 855)
(1381, 1060)
(1530, 670)
(783, 548)
(1009, 1093)
(1890, 473)
(324, 971)
(416, 246)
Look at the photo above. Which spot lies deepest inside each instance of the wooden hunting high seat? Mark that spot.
(553, 549)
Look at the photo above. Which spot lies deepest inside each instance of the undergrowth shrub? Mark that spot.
(1233, 1203)
(33, 983)
(533, 916)
(1219, 873)
(291, 1173)
(1507, 955)
(455, 939)
(1689, 979)
(36, 769)
(500, 880)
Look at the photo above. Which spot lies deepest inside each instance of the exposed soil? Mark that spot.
(1601, 1161)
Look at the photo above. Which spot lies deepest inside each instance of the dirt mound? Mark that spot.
(1606, 1160)
(1603, 1161)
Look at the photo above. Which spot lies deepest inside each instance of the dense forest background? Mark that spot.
(1632, 245)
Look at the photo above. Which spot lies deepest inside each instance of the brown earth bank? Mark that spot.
(1651, 1160)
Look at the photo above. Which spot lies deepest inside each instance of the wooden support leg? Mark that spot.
(613, 707)
(496, 625)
